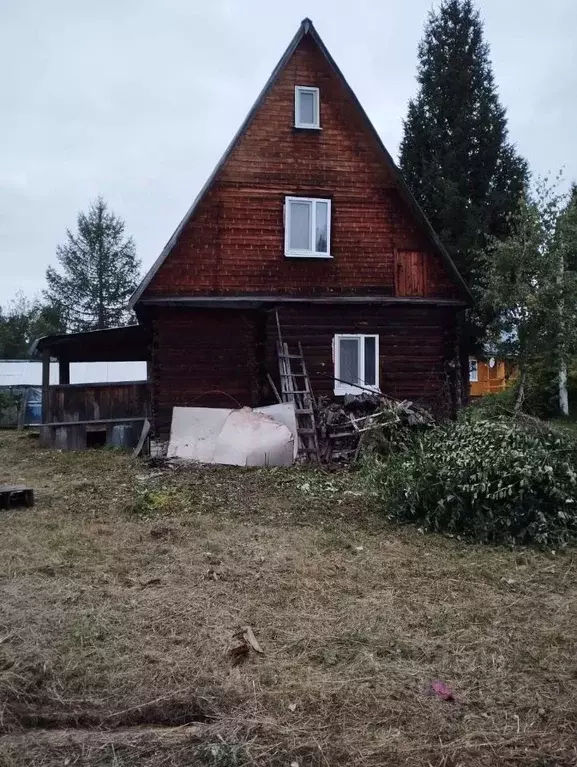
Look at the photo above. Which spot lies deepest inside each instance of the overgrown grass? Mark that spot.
(124, 587)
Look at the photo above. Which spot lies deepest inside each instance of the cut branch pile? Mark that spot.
(344, 428)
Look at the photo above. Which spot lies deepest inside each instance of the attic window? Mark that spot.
(307, 227)
(307, 112)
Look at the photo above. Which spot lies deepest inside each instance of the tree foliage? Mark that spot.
(22, 321)
(100, 271)
(567, 231)
(529, 287)
(455, 154)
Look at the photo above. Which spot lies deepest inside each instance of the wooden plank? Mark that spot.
(342, 434)
(45, 385)
(120, 419)
(63, 371)
(142, 439)
(88, 402)
(290, 356)
(273, 387)
(22, 408)
(16, 495)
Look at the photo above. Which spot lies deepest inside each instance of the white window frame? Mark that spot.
(346, 388)
(317, 107)
(296, 253)
(473, 377)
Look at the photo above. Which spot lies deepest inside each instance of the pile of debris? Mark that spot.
(344, 428)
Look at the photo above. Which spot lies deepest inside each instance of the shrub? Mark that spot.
(491, 405)
(494, 481)
(9, 399)
(9, 404)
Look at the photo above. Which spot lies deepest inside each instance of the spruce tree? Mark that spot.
(99, 272)
(455, 153)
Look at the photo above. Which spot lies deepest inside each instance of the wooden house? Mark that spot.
(489, 376)
(305, 216)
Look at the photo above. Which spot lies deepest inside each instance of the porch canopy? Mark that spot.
(130, 343)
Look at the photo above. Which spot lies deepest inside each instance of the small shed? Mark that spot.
(78, 415)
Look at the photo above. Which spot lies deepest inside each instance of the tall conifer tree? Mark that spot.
(455, 154)
(100, 271)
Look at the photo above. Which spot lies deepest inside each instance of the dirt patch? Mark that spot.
(124, 588)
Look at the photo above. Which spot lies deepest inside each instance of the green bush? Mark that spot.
(491, 405)
(493, 481)
(9, 404)
(542, 390)
(9, 399)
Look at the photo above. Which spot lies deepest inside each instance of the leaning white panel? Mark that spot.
(263, 437)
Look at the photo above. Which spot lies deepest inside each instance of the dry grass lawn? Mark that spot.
(123, 588)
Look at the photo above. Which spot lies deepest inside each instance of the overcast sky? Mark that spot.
(137, 99)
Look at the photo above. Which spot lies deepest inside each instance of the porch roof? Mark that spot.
(111, 345)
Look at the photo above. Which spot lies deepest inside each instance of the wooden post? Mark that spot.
(45, 385)
(63, 372)
(22, 408)
(261, 387)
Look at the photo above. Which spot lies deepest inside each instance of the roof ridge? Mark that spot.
(306, 28)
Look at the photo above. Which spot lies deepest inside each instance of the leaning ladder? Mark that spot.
(296, 388)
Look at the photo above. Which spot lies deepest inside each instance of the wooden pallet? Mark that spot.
(16, 495)
(296, 388)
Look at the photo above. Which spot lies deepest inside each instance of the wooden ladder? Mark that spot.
(296, 388)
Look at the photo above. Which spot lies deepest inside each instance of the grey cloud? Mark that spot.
(137, 99)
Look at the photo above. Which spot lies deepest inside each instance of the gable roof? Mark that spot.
(306, 28)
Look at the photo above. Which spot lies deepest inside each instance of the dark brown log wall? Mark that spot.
(219, 358)
(205, 358)
(234, 244)
(416, 345)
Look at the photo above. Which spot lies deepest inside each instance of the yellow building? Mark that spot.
(488, 377)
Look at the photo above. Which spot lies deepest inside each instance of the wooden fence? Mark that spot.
(87, 415)
(97, 401)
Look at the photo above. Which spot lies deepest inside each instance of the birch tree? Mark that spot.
(532, 287)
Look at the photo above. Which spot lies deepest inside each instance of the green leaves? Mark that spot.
(530, 288)
(23, 321)
(494, 481)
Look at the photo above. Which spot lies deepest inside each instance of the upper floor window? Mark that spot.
(307, 227)
(307, 112)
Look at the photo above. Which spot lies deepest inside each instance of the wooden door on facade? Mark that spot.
(410, 273)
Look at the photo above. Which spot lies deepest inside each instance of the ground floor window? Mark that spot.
(356, 363)
(473, 370)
